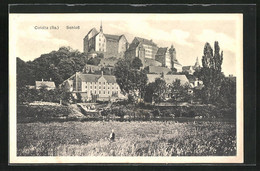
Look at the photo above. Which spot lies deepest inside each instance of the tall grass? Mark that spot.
(132, 139)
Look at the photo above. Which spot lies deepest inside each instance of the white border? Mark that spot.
(14, 159)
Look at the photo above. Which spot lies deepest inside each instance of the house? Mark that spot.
(167, 56)
(195, 82)
(94, 86)
(169, 79)
(157, 70)
(49, 85)
(141, 48)
(107, 44)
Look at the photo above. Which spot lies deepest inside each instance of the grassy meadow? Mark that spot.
(150, 138)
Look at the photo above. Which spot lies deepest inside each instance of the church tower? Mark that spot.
(197, 64)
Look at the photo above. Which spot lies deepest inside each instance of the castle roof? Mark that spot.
(162, 51)
(145, 41)
(133, 46)
(113, 37)
(91, 31)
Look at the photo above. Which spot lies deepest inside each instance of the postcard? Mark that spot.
(125, 88)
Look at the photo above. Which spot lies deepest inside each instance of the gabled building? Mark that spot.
(141, 48)
(167, 56)
(107, 44)
(93, 86)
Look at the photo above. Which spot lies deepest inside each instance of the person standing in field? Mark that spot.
(112, 136)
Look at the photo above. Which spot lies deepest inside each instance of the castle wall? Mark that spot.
(111, 49)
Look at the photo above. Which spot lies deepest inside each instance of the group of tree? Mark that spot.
(131, 78)
(217, 89)
(57, 65)
(27, 95)
(158, 91)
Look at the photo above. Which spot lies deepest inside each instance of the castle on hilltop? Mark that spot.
(117, 46)
(109, 45)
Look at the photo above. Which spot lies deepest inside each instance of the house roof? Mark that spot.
(47, 84)
(158, 69)
(151, 62)
(146, 41)
(168, 78)
(95, 77)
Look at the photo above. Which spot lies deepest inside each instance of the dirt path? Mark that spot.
(76, 112)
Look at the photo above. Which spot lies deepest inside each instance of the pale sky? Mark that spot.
(187, 32)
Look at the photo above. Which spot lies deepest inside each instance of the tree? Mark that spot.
(58, 65)
(94, 61)
(179, 92)
(227, 94)
(160, 90)
(23, 76)
(131, 81)
(211, 74)
(137, 63)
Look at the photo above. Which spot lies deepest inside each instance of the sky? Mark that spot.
(188, 33)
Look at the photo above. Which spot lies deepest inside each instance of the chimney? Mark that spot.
(42, 79)
(101, 73)
(50, 79)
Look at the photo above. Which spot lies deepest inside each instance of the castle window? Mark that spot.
(95, 92)
(91, 87)
(108, 92)
(104, 92)
(95, 87)
(86, 86)
(99, 87)
(99, 92)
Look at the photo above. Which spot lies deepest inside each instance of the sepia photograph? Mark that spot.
(126, 88)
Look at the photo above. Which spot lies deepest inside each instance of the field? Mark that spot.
(150, 138)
